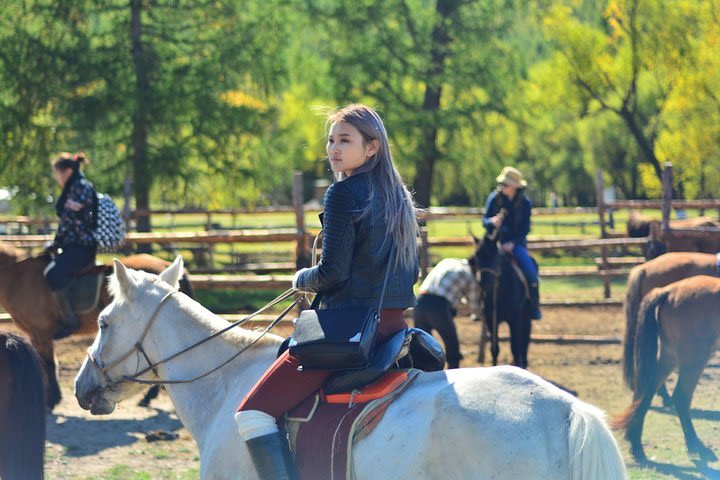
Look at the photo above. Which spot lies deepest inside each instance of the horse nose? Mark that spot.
(85, 389)
(85, 397)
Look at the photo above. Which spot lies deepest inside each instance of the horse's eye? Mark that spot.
(103, 324)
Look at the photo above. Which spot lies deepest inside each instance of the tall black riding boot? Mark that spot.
(69, 321)
(535, 301)
(271, 456)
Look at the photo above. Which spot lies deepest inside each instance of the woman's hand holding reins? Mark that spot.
(295, 280)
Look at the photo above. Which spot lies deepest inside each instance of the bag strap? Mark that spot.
(316, 301)
(387, 275)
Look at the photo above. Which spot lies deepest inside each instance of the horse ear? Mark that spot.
(123, 277)
(173, 273)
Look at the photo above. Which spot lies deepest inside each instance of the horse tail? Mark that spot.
(644, 383)
(632, 305)
(594, 454)
(24, 453)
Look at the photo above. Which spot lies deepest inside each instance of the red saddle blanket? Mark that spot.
(322, 429)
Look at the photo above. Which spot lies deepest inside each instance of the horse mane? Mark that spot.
(194, 309)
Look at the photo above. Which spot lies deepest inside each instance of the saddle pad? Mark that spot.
(85, 292)
(322, 434)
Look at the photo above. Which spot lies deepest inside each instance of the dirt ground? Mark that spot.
(81, 446)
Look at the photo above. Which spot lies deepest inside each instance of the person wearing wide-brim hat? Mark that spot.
(514, 225)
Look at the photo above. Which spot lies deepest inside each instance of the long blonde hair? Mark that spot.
(386, 186)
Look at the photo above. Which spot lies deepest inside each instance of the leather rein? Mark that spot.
(104, 367)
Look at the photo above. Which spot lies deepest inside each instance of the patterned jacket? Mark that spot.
(76, 227)
(453, 279)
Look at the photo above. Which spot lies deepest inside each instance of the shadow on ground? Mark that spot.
(87, 436)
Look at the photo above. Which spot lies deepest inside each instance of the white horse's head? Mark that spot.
(116, 353)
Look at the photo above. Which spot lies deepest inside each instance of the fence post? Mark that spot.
(302, 254)
(599, 193)
(424, 253)
(667, 196)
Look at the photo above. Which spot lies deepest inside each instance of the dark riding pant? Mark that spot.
(435, 312)
(59, 273)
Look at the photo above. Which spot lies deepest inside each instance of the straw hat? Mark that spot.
(512, 176)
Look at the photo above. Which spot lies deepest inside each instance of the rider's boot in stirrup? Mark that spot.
(268, 447)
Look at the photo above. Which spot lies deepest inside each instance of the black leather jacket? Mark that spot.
(355, 253)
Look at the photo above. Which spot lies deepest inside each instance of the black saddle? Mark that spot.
(408, 348)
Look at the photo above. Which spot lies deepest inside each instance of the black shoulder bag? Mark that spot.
(338, 338)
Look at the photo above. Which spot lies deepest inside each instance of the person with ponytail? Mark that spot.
(74, 244)
(369, 215)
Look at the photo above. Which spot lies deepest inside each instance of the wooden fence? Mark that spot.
(300, 234)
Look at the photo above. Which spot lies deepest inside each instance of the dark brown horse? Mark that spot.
(659, 272)
(22, 410)
(25, 295)
(684, 317)
(505, 299)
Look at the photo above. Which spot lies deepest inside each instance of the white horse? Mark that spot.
(472, 423)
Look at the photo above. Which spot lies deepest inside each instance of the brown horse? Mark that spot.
(639, 226)
(22, 410)
(25, 295)
(659, 272)
(684, 317)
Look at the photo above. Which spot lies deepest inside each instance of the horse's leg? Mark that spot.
(520, 338)
(45, 349)
(665, 395)
(688, 378)
(516, 342)
(633, 434)
(666, 364)
(635, 427)
(151, 394)
(494, 343)
(483, 342)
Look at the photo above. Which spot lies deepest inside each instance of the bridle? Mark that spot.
(137, 348)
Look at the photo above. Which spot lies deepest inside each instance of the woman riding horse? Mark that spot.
(74, 242)
(508, 209)
(369, 216)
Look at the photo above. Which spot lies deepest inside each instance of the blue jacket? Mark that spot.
(355, 253)
(516, 225)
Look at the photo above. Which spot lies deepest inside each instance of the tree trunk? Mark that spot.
(440, 39)
(646, 146)
(141, 171)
